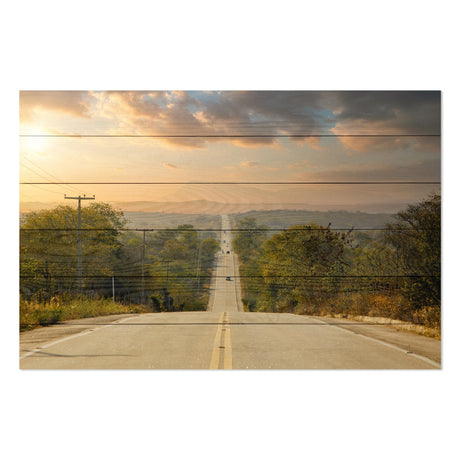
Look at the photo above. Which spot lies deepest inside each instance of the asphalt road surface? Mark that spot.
(224, 337)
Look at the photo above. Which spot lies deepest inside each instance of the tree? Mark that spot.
(181, 263)
(300, 263)
(48, 247)
(416, 238)
(208, 250)
(173, 250)
(249, 238)
(248, 243)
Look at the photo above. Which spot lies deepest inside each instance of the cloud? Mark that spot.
(249, 164)
(313, 142)
(155, 113)
(271, 168)
(247, 119)
(387, 113)
(257, 118)
(400, 112)
(170, 166)
(298, 165)
(254, 118)
(76, 103)
(427, 170)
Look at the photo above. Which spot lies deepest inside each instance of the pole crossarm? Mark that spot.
(84, 197)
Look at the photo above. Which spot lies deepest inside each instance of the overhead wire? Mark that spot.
(55, 178)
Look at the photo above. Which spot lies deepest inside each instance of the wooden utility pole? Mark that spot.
(198, 266)
(167, 273)
(143, 268)
(79, 247)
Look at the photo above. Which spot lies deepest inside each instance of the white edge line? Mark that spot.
(389, 345)
(74, 336)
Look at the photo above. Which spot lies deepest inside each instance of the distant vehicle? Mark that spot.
(228, 252)
(224, 241)
(228, 278)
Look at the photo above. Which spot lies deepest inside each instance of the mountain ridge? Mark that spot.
(215, 207)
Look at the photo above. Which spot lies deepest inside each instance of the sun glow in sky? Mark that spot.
(258, 142)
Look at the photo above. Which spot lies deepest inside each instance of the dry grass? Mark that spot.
(33, 314)
(381, 308)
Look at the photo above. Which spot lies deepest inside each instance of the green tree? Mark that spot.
(375, 267)
(173, 250)
(249, 238)
(416, 238)
(182, 263)
(300, 264)
(248, 243)
(208, 250)
(48, 247)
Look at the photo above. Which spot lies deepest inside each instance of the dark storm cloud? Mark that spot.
(267, 112)
(258, 113)
(404, 112)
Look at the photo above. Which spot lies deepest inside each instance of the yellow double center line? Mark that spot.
(221, 357)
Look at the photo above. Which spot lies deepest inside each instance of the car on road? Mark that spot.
(228, 278)
(228, 252)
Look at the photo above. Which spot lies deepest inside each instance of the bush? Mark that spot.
(416, 236)
(192, 304)
(428, 316)
(33, 314)
(250, 303)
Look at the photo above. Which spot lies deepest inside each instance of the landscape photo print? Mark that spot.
(230, 230)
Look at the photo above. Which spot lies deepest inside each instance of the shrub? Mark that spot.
(428, 316)
(33, 314)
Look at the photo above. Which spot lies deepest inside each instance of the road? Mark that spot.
(224, 337)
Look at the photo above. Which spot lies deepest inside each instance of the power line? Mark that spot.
(193, 276)
(224, 136)
(41, 188)
(175, 230)
(46, 172)
(244, 183)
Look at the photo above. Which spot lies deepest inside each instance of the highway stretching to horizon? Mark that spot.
(224, 337)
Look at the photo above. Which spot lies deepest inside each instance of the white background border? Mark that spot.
(208, 45)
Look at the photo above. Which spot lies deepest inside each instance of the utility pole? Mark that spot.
(143, 268)
(198, 266)
(167, 274)
(79, 249)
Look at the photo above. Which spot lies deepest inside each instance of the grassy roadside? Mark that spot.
(382, 309)
(33, 314)
(434, 333)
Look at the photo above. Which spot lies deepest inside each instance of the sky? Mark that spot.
(235, 136)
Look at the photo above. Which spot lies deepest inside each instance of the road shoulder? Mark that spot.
(420, 345)
(31, 340)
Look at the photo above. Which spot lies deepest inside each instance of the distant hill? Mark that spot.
(214, 207)
(276, 219)
(170, 220)
(218, 208)
(206, 215)
(338, 219)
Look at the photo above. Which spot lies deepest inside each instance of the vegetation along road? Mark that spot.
(224, 337)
